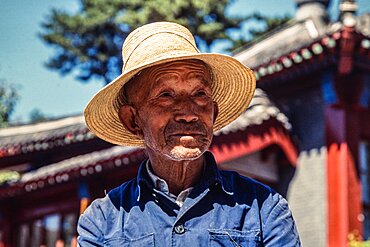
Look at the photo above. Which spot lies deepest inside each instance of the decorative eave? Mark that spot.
(260, 109)
(308, 51)
(73, 169)
(43, 136)
(316, 56)
(261, 126)
(262, 137)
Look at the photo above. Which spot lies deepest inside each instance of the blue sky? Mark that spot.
(23, 54)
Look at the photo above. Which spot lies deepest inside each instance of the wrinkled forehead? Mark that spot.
(191, 66)
(144, 80)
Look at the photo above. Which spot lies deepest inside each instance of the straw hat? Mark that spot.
(233, 83)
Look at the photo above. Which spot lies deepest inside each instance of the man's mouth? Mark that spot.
(186, 135)
(193, 131)
(188, 139)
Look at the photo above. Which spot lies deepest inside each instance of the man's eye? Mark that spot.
(165, 94)
(200, 93)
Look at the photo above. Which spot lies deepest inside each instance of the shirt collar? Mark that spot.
(211, 177)
(143, 179)
(158, 182)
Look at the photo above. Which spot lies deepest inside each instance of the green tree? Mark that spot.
(8, 99)
(90, 40)
(37, 116)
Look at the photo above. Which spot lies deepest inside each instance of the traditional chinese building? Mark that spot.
(318, 73)
(312, 144)
(54, 169)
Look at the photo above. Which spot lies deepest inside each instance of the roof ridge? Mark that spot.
(44, 126)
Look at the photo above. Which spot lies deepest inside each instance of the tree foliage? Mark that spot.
(37, 116)
(8, 99)
(90, 40)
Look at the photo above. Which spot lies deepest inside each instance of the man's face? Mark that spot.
(174, 110)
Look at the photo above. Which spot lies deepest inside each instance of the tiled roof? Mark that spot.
(79, 166)
(285, 40)
(43, 136)
(80, 162)
(299, 42)
(38, 129)
(264, 125)
(259, 110)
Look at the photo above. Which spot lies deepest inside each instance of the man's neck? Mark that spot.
(179, 175)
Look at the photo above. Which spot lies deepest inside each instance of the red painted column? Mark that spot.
(343, 185)
(343, 132)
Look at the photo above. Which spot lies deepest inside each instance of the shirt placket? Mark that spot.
(180, 227)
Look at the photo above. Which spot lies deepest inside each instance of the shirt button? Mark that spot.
(179, 229)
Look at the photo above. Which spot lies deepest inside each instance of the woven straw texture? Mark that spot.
(233, 83)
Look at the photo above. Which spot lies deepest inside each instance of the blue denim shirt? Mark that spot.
(223, 209)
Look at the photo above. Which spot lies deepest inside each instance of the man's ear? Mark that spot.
(215, 111)
(128, 115)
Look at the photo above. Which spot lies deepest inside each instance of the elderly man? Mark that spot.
(170, 99)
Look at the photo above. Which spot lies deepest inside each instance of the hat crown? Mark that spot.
(153, 40)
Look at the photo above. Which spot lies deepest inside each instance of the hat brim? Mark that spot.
(233, 87)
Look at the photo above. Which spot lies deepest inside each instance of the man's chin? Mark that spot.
(185, 153)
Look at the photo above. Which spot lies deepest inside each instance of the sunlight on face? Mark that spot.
(187, 150)
(175, 110)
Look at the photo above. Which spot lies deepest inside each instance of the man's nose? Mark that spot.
(186, 116)
(185, 112)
